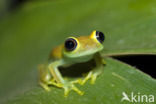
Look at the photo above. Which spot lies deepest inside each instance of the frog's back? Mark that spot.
(56, 53)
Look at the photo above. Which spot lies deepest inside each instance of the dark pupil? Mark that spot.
(70, 44)
(100, 36)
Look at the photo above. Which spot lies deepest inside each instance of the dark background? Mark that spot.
(146, 63)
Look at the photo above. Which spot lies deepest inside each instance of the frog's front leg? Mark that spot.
(96, 71)
(45, 78)
(60, 82)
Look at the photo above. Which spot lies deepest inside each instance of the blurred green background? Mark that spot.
(30, 30)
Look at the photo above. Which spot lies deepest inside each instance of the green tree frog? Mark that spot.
(74, 50)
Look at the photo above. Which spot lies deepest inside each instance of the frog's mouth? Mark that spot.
(78, 69)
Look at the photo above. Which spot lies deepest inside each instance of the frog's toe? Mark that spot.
(55, 84)
(93, 78)
(79, 81)
(70, 86)
(45, 86)
(86, 78)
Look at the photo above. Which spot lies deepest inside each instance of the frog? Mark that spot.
(73, 50)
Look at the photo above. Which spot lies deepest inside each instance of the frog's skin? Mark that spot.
(74, 50)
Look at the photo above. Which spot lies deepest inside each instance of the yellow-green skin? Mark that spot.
(88, 47)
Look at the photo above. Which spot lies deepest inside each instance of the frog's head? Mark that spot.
(84, 45)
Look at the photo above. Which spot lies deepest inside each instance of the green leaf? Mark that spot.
(115, 79)
(28, 35)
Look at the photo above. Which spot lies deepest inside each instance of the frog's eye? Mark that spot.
(70, 44)
(100, 36)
